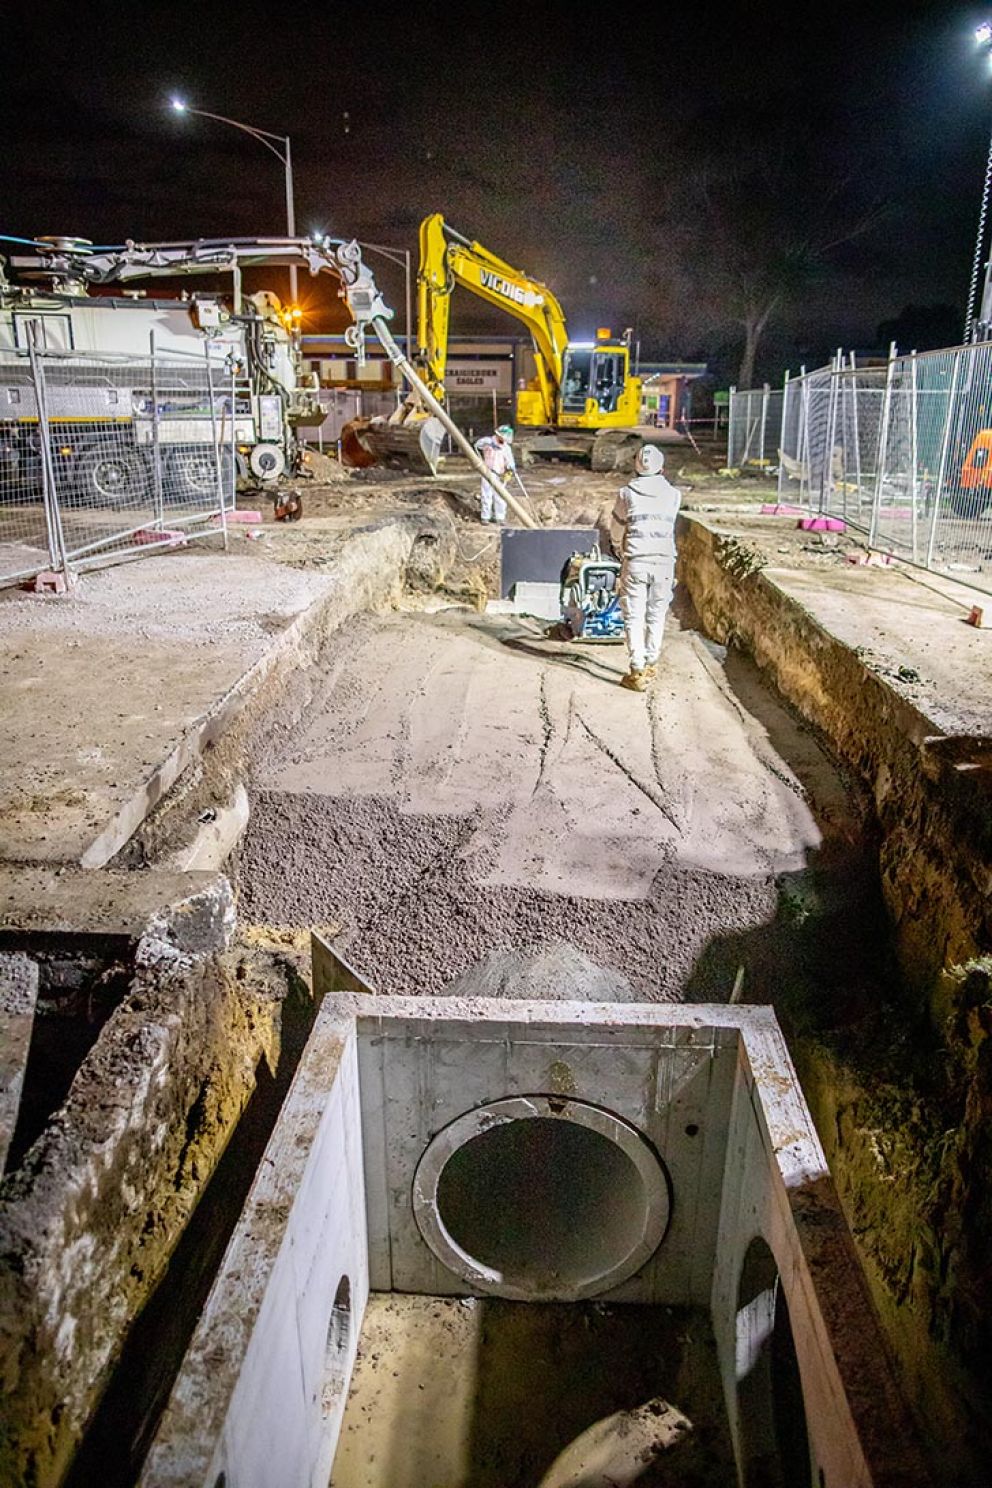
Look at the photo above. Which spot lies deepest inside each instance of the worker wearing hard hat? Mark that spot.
(497, 451)
(642, 531)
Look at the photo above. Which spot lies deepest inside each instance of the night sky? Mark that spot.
(569, 139)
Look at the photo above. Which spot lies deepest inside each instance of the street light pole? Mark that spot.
(284, 156)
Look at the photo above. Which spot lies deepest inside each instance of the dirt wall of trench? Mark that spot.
(901, 1091)
(90, 1219)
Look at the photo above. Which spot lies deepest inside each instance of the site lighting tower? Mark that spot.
(977, 328)
(271, 142)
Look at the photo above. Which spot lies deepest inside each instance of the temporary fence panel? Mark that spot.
(791, 437)
(753, 426)
(850, 477)
(902, 452)
(28, 542)
(818, 393)
(933, 500)
(109, 456)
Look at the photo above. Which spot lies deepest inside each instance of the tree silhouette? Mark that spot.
(762, 216)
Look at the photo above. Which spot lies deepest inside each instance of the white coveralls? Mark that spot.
(642, 531)
(499, 458)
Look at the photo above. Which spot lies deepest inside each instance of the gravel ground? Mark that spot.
(414, 915)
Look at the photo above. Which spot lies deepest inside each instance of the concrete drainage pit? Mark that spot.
(699, 1320)
(540, 1199)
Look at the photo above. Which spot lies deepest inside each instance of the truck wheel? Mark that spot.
(189, 476)
(114, 478)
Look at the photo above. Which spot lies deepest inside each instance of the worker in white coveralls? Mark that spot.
(497, 451)
(642, 531)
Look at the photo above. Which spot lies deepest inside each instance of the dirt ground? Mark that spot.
(486, 1394)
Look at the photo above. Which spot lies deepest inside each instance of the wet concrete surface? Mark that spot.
(462, 785)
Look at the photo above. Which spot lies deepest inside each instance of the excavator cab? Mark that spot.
(596, 384)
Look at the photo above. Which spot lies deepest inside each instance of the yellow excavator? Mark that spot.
(585, 389)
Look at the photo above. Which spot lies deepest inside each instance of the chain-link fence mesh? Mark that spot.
(902, 452)
(791, 440)
(109, 456)
(753, 426)
(848, 485)
(934, 500)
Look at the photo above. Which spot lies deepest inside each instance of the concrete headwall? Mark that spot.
(249, 1395)
(263, 1387)
(777, 1189)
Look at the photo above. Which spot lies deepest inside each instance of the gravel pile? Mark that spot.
(415, 911)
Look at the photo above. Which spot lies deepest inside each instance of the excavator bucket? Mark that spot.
(414, 445)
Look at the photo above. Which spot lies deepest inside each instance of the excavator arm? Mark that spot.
(447, 259)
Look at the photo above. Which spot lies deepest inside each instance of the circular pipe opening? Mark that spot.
(539, 1198)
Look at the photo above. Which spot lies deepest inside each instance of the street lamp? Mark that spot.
(284, 156)
(400, 256)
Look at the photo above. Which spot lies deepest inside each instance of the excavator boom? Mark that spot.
(448, 259)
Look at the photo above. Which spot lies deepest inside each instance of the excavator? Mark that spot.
(584, 389)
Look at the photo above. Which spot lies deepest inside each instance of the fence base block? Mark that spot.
(51, 582)
(170, 537)
(822, 524)
(248, 518)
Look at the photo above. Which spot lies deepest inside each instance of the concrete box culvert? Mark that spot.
(540, 1199)
(384, 1080)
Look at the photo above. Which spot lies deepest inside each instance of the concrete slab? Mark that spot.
(113, 690)
(909, 630)
(595, 788)
(537, 599)
(18, 996)
(110, 691)
(37, 900)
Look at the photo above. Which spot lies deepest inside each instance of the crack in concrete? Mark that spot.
(547, 729)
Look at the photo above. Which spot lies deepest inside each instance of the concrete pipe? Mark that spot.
(540, 1198)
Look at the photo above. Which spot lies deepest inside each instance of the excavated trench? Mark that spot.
(465, 813)
(462, 805)
(455, 791)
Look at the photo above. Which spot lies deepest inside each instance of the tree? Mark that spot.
(763, 216)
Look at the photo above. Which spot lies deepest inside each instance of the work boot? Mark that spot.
(634, 680)
(650, 671)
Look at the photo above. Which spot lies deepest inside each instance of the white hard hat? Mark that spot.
(650, 460)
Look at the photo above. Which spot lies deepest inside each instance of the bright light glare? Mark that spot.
(983, 33)
(180, 107)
